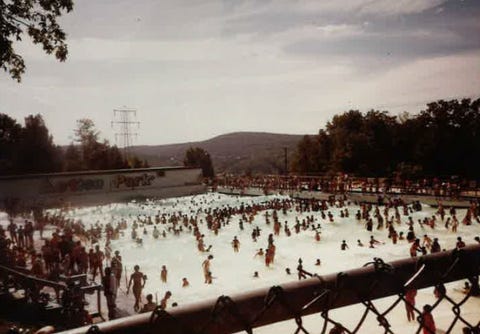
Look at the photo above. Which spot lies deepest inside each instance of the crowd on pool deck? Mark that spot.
(341, 182)
(66, 251)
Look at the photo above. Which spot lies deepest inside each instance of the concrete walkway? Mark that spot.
(462, 202)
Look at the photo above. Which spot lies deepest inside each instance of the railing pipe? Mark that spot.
(33, 279)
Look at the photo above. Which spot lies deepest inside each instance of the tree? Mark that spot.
(448, 143)
(87, 137)
(115, 158)
(304, 160)
(10, 134)
(379, 128)
(442, 140)
(72, 159)
(37, 18)
(27, 149)
(349, 143)
(198, 157)
(136, 162)
(85, 133)
(323, 151)
(36, 152)
(96, 155)
(30, 149)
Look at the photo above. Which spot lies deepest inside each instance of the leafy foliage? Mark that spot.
(198, 157)
(30, 149)
(10, 132)
(96, 155)
(135, 162)
(27, 149)
(72, 159)
(37, 18)
(443, 139)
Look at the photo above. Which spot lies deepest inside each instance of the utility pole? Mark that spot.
(285, 149)
(123, 121)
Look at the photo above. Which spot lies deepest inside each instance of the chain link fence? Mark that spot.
(322, 295)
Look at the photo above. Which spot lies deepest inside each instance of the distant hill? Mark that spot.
(237, 152)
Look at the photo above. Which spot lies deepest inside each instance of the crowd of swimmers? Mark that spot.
(343, 183)
(65, 252)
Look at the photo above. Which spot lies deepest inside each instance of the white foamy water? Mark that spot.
(233, 272)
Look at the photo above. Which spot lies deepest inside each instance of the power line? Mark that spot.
(122, 120)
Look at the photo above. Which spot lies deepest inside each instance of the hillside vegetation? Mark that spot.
(441, 140)
(239, 152)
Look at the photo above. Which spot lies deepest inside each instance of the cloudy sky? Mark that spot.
(198, 68)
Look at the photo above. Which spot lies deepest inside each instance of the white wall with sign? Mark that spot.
(98, 187)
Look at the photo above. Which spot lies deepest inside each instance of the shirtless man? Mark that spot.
(137, 278)
(271, 252)
(12, 228)
(300, 271)
(276, 228)
(427, 242)
(110, 287)
(435, 246)
(98, 258)
(454, 223)
(163, 302)
(163, 274)
(414, 248)
(410, 303)
(185, 282)
(150, 305)
(206, 269)
(108, 251)
(156, 232)
(259, 252)
(201, 245)
(28, 228)
(117, 267)
(235, 244)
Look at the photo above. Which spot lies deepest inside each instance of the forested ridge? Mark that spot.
(441, 140)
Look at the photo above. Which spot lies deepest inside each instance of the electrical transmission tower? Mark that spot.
(124, 122)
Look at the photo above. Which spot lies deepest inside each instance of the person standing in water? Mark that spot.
(235, 244)
(163, 274)
(137, 277)
(206, 269)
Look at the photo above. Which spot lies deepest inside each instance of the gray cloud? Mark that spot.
(453, 30)
(400, 46)
(196, 68)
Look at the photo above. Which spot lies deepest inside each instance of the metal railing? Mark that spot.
(440, 188)
(21, 279)
(320, 295)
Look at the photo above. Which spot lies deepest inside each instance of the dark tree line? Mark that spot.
(442, 140)
(30, 149)
(198, 157)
